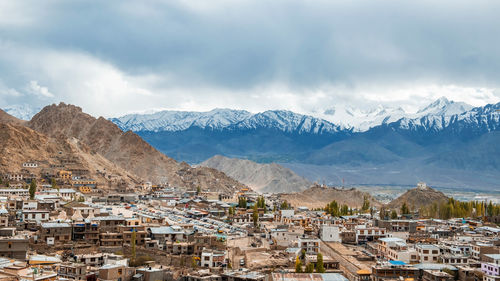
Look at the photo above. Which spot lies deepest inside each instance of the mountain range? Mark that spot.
(445, 143)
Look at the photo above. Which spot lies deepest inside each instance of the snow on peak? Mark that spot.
(219, 119)
(444, 107)
(22, 111)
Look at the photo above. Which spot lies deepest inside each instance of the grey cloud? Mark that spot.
(237, 45)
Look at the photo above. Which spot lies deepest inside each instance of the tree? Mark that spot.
(404, 209)
(132, 245)
(198, 190)
(32, 189)
(366, 204)
(255, 215)
(394, 215)
(242, 202)
(284, 205)
(320, 268)
(309, 268)
(298, 265)
(53, 183)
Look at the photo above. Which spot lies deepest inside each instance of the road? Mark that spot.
(345, 265)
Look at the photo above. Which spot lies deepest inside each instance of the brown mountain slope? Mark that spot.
(126, 149)
(19, 144)
(318, 197)
(271, 178)
(9, 119)
(418, 197)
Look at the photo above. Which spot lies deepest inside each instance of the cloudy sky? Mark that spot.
(115, 57)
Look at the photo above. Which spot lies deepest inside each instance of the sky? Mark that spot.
(116, 57)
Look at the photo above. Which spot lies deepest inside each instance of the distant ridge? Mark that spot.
(271, 178)
(416, 198)
(318, 196)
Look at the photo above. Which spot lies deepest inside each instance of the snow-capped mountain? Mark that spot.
(181, 120)
(361, 120)
(22, 111)
(444, 107)
(478, 119)
(332, 120)
(225, 119)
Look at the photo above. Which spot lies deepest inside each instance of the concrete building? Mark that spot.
(330, 233)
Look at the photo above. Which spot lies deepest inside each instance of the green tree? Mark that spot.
(53, 183)
(255, 215)
(32, 189)
(198, 190)
(344, 210)
(366, 204)
(132, 245)
(298, 265)
(284, 206)
(309, 268)
(242, 202)
(404, 209)
(394, 215)
(320, 267)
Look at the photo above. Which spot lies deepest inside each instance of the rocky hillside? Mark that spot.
(9, 119)
(418, 197)
(19, 144)
(318, 197)
(272, 178)
(125, 149)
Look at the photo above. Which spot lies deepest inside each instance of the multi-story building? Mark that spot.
(367, 234)
(428, 253)
(14, 247)
(55, 232)
(73, 271)
(310, 245)
(330, 233)
(491, 267)
(212, 258)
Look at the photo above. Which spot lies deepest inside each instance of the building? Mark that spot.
(73, 271)
(55, 232)
(212, 258)
(310, 245)
(428, 253)
(491, 267)
(330, 233)
(367, 234)
(14, 247)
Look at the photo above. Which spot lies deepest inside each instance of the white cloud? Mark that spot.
(35, 89)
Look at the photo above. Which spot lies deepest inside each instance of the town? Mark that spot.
(59, 224)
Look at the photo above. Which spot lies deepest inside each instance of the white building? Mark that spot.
(310, 245)
(427, 253)
(330, 233)
(212, 258)
(37, 216)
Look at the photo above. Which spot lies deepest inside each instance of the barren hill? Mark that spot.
(271, 178)
(126, 149)
(318, 197)
(418, 197)
(9, 119)
(19, 144)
